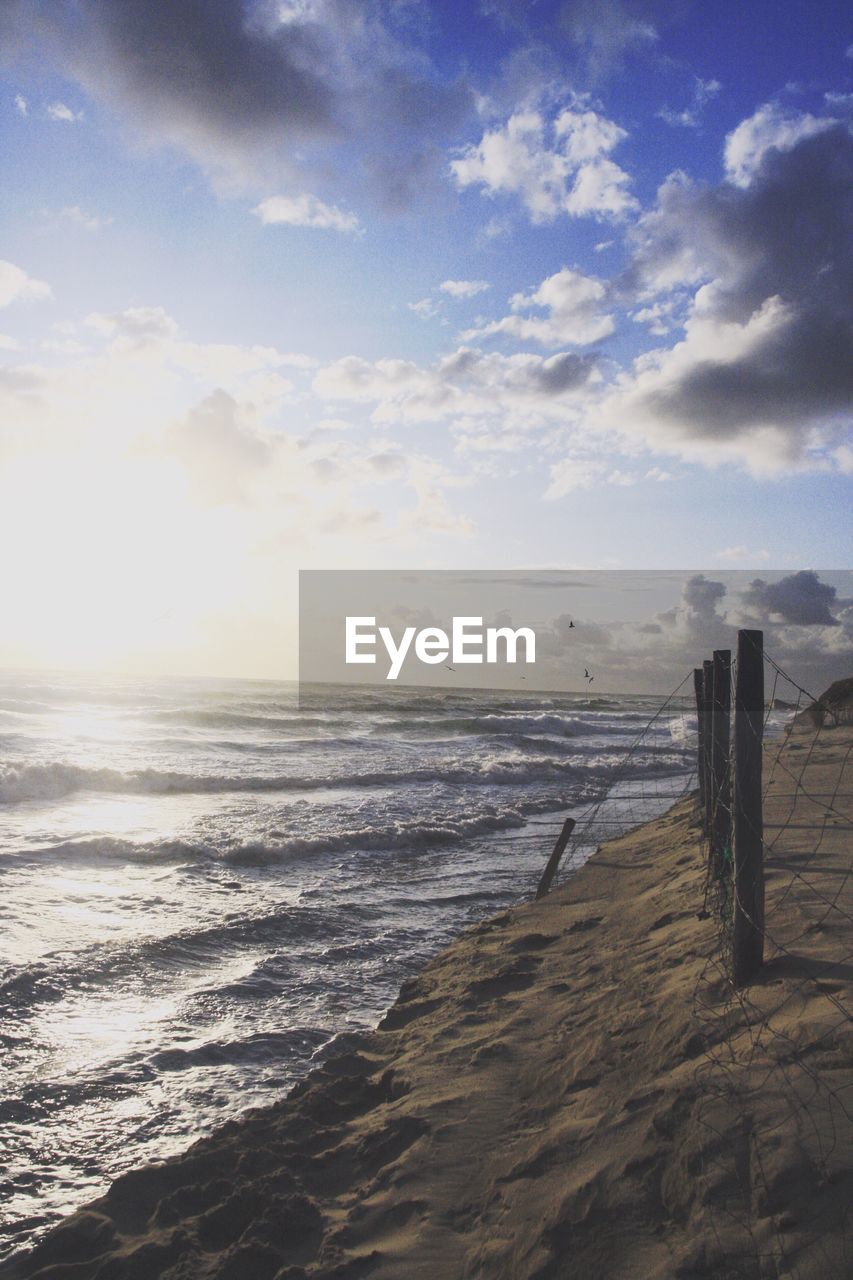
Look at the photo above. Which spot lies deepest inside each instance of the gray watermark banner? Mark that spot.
(597, 631)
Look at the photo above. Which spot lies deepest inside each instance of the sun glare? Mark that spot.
(109, 558)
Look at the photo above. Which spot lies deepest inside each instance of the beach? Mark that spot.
(570, 1088)
(206, 884)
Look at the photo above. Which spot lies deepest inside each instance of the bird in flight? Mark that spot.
(571, 624)
(449, 668)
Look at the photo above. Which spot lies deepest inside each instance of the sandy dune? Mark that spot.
(569, 1090)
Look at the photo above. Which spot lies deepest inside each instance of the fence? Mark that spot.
(770, 1092)
(656, 771)
(770, 1001)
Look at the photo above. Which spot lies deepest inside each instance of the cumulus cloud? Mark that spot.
(136, 327)
(152, 334)
(466, 385)
(555, 167)
(767, 356)
(768, 128)
(574, 303)
(464, 288)
(305, 211)
(220, 449)
(16, 285)
(701, 596)
(800, 598)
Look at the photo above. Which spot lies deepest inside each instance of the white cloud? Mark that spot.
(574, 473)
(85, 221)
(489, 400)
(690, 117)
(769, 127)
(60, 112)
(8, 343)
(575, 306)
(464, 288)
(658, 317)
(16, 285)
(221, 449)
(742, 554)
(21, 104)
(561, 167)
(425, 308)
(305, 211)
(136, 326)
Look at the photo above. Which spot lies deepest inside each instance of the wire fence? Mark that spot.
(772, 1095)
(657, 770)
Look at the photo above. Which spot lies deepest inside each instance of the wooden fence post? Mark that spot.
(721, 827)
(707, 718)
(554, 860)
(700, 736)
(748, 924)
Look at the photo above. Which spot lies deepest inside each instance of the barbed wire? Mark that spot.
(754, 1058)
(765, 1080)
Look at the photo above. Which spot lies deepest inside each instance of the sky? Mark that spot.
(579, 631)
(334, 284)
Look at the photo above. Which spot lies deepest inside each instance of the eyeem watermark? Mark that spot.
(468, 642)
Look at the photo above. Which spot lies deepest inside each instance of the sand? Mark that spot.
(572, 1089)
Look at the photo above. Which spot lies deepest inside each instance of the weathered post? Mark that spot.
(707, 718)
(554, 860)
(748, 924)
(700, 731)
(721, 826)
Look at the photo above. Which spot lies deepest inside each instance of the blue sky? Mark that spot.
(341, 284)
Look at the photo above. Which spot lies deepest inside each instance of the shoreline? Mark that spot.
(568, 1084)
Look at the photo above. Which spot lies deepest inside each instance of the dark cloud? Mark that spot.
(701, 596)
(779, 255)
(562, 373)
(244, 87)
(801, 598)
(567, 635)
(195, 68)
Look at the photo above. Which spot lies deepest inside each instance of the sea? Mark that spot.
(207, 884)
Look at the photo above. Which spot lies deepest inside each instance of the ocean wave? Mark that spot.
(452, 828)
(497, 724)
(222, 719)
(56, 780)
(154, 960)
